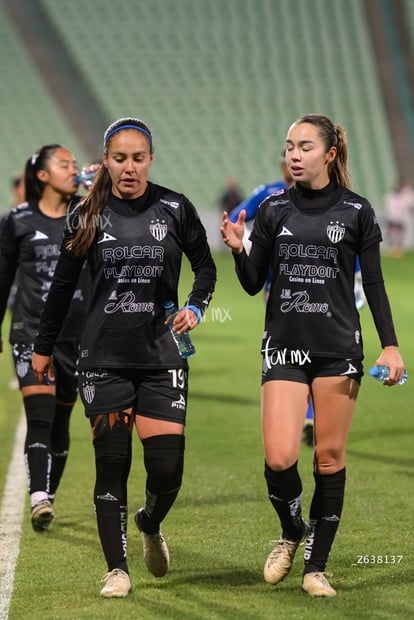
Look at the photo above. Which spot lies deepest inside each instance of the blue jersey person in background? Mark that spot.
(251, 205)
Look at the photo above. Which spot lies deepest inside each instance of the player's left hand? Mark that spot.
(391, 357)
(184, 320)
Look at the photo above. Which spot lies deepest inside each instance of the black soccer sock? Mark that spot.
(285, 493)
(59, 445)
(40, 411)
(324, 516)
(164, 463)
(113, 462)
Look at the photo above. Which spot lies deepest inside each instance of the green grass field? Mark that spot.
(221, 525)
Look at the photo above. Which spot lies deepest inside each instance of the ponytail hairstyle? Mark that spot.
(93, 203)
(332, 135)
(38, 161)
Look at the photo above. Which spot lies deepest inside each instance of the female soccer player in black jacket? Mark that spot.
(30, 243)
(310, 236)
(133, 233)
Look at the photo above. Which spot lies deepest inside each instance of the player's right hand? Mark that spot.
(232, 233)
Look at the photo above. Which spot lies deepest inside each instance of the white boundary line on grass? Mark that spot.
(11, 517)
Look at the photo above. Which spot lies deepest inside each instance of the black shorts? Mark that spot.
(305, 371)
(65, 358)
(160, 394)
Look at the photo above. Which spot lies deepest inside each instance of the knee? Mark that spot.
(40, 409)
(279, 464)
(329, 461)
(164, 461)
(112, 465)
(113, 445)
(281, 460)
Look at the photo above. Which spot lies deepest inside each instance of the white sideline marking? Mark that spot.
(11, 517)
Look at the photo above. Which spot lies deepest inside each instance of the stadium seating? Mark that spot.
(29, 117)
(219, 82)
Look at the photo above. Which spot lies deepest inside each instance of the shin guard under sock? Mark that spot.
(59, 445)
(164, 463)
(113, 462)
(40, 411)
(325, 513)
(285, 493)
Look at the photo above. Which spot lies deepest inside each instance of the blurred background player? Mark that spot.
(18, 197)
(399, 206)
(231, 197)
(251, 205)
(18, 189)
(30, 243)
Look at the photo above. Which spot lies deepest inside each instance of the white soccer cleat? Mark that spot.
(280, 560)
(316, 584)
(156, 555)
(117, 584)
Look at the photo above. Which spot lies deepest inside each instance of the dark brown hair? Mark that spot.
(91, 206)
(332, 135)
(34, 187)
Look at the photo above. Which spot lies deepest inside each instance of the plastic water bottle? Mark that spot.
(183, 341)
(86, 178)
(380, 373)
